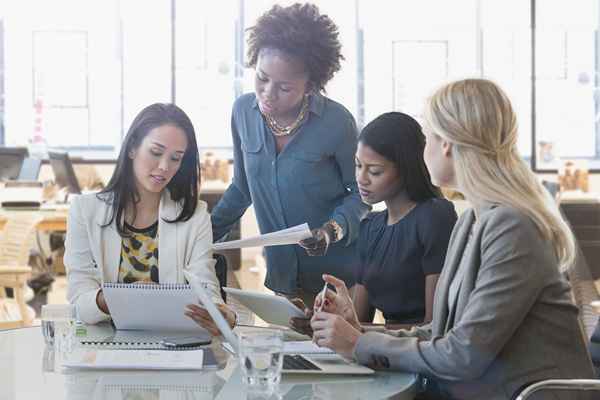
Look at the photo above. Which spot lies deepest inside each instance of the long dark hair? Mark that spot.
(398, 138)
(183, 187)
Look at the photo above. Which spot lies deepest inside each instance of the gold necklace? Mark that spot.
(279, 130)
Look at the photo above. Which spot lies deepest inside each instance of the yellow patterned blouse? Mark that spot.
(139, 255)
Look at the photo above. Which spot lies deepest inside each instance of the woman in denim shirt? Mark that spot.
(294, 152)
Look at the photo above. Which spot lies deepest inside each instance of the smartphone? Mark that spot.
(182, 342)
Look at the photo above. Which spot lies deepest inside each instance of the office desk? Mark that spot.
(52, 220)
(25, 374)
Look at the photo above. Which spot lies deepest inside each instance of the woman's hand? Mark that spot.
(334, 332)
(302, 325)
(338, 302)
(101, 302)
(318, 244)
(203, 318)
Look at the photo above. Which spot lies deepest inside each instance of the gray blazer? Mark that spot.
(513, 321)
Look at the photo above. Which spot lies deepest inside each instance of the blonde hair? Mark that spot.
(476, 116)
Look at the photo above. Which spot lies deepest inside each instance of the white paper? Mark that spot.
(285, 236)
(135, 359)
(293, 347)
(167, 303)
(305, 347)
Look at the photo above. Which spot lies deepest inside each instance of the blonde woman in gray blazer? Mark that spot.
(148, 225)
(503, 316)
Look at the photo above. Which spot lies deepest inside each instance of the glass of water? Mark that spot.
(261, 358)
(57, 325)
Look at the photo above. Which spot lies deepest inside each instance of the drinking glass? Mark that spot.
(261, 358)
(57, 325)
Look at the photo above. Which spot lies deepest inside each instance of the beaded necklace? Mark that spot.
(279, 130)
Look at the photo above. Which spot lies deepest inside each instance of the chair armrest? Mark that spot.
(560, 384)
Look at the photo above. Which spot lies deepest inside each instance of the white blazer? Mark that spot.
(92, 252)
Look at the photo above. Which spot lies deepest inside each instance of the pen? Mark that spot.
(324, 291)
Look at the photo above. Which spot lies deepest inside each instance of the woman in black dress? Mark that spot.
(402, 248)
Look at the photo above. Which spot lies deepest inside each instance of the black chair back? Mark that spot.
(221, 271)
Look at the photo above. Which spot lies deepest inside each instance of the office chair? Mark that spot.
(221, 272)
(15, 242)
(560, 385)
(584, 292)
(595, 348)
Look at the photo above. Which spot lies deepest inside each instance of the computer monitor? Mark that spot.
(11, 160)
(30, 169)
(64, 174)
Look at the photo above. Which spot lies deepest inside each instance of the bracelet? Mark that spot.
(235, 319)
(338, 232)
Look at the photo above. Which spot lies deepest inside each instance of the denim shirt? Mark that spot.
(311, 180)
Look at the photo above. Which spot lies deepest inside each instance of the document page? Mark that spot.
(285, 236)
(293, 347)
(305, 347)
(135, 359)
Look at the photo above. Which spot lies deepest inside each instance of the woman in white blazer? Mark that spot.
(503, 315)
(148, 225)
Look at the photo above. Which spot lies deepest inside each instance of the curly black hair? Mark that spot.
(300, 31)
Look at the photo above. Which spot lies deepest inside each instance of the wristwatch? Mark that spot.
(338, 232)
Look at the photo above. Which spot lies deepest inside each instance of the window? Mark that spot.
(410, 48)
(205, 67)
(566, 82)
(62, 91)
(86, 73)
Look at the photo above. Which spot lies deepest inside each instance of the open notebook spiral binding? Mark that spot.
(150, 387)
(133, 346)
(148, 286)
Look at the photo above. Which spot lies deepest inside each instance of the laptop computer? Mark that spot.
(11, 159)
(64, 174)
(292, 363)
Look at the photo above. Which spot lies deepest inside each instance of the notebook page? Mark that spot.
(150, 306)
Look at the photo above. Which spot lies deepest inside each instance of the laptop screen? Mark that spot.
(30, 169)
(63, 171)
(11, 159)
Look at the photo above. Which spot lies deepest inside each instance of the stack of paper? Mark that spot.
(135, 359)
(286, 236)
(293, 347)
(305, 347)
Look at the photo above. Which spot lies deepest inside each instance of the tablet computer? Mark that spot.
(270, 308)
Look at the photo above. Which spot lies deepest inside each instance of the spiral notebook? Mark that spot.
(106, 337)
(103, 336)
(150, 307)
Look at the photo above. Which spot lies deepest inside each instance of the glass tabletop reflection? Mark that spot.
(31, 370)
